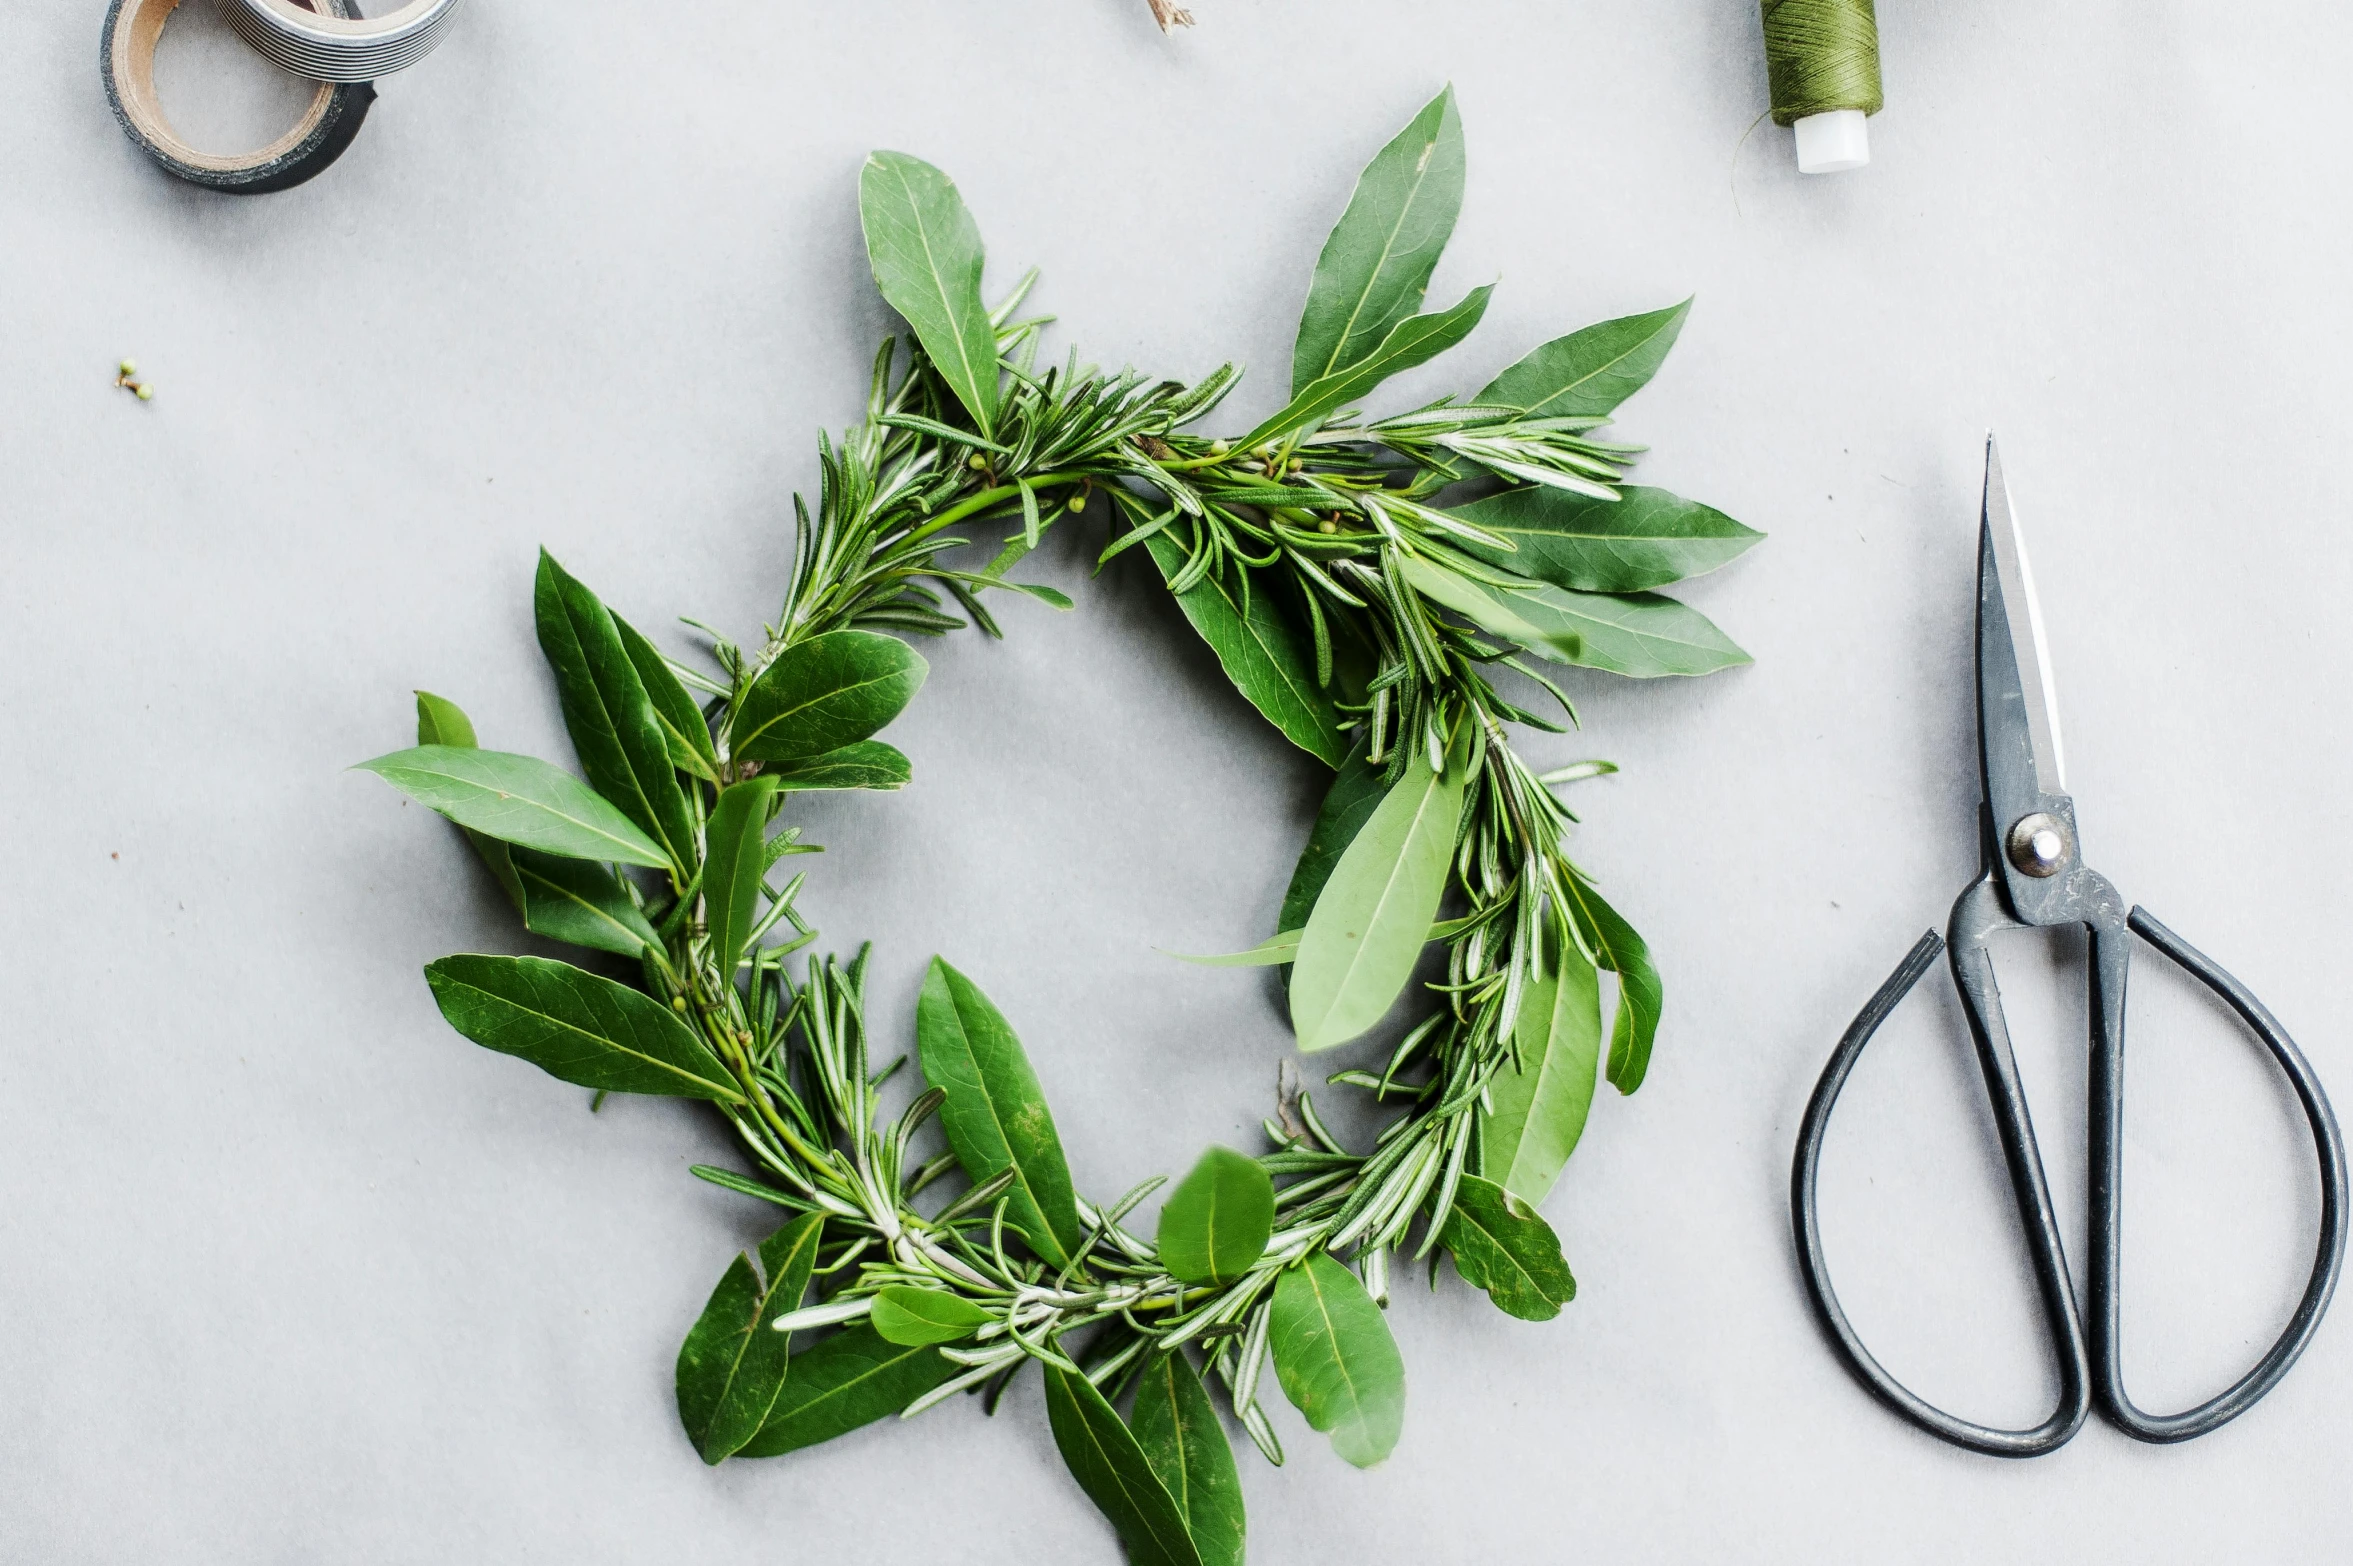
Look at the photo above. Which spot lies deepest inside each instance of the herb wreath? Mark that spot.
(1363, 618)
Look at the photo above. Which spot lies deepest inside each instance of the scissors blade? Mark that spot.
(2018, 704)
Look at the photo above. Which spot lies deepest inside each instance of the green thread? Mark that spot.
(1821, 55)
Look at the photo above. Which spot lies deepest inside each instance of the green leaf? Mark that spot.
(995, 1115)
(683, 729)
(1216, 1223)
(825, 693)
(583, 903)
(1108, 1464)
(577, 1026)
(1277, 950)
(1416, 340)
(1374, 915)
(1336, 1361)
(518, 799)
(733, 1364)
(1356, 791)
(1177, 1427)
(867, 764)
(1588, 373)
(441, 721)
(1641, 998)
(842, 1382)
(1638, 634)
(926, 253)
(1502, 1246)
(1648, 538)
(912, 1317)
(1262, 652)
(1376, 265)
(607, 712)
(734, 860)
(1540, 1108)
(713, 1352)
(1272, 952)
(1283, 948)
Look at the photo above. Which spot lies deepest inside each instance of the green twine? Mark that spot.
(1821, 55)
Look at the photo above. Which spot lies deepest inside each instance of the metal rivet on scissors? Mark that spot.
(2034, 876)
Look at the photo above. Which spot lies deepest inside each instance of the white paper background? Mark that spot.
(289, 1272)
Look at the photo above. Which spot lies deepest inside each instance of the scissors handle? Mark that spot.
(2111, 960)
(1977, 914)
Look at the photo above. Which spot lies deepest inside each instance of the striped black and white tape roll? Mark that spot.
(126, 58)
(337, 49)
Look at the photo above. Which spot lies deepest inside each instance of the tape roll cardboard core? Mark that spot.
(327, 124)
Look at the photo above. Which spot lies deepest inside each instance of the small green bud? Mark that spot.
(678, 1003)
(1218, 448)
(130, 367)
(146, 394)
(1078, 502)
(1297, 463)
(976, 462)
(1327, 525)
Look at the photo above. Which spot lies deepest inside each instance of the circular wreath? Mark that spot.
(1360, 581)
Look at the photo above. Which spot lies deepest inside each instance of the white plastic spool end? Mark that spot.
(1833, 142)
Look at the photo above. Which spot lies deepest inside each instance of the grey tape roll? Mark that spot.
(337, 49)
(126, 58)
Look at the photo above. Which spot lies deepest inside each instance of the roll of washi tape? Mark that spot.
(126, 57)
(339, 49)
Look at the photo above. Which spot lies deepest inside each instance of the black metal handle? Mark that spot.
(2111, 962)
(1977, 914)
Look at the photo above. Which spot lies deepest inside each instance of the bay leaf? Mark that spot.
(1588, 372)
(1262, 652)
(842, 1382)
(927, 257)
(1642, 635)
(823, 694)
(577, 1026)
(1357, 790)
(581, 902)
(1415, 340)
(1215, 1224)
(1177, 1428)
(1541, 1105)
(995, 1115)
(1647, 538)
(518, 799)
(1375, 266)
(1336, 1360)
(733, 1364)
(441, 721)
(1501, 1245)
(735, 857)
(1103, 1457)
(1375, 912)
(911, 1317)
(607, 712)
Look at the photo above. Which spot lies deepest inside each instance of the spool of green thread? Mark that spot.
(1822, 59)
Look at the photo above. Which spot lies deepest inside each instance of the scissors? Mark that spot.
(2033, 876)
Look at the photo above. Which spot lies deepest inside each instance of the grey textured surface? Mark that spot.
(288, 1272)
